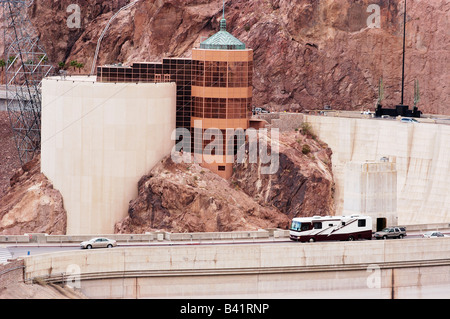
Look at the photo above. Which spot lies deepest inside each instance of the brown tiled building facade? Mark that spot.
(214, 91)
(221, 99)
(170, 70)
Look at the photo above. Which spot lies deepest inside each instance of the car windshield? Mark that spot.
(386, 230)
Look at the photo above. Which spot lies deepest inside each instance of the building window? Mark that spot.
(221, 168)
(222, 74)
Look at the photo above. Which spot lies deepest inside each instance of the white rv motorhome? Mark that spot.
(321, 228)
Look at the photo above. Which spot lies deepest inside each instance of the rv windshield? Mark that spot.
(296, 225)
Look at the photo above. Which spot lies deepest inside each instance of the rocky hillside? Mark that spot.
(303, 184)
(187, 198)
(9, 157)
(31, 204)
(308, 53)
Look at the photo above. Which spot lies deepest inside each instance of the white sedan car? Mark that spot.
(433, 234)
(98, 242)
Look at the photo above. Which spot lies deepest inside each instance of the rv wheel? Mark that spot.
(311, 240)
(350, 238)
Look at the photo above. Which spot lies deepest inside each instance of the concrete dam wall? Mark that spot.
(421, 152)
(98, 140)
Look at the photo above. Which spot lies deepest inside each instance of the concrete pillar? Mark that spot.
(370, 188)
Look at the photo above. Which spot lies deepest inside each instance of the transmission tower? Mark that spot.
(26, 66)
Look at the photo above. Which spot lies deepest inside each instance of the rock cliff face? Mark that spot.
(9, 157)
(31, 205)
(303, 184)
(307, 53)
(187, 198)
(57, 26)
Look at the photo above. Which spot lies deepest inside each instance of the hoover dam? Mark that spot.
(273, 267)
(420, 151)
(396, 172)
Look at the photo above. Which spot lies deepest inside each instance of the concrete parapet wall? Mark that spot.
(14, 239)
(42, 238)
(150, 236)
(428, 227)
(218, 235)
(281, 233)
(118, 237)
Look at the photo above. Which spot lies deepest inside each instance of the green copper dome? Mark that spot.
(222, 40)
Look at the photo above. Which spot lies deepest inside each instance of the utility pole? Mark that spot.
(404, 49)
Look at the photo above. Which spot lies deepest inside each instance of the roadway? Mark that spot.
(26, 249)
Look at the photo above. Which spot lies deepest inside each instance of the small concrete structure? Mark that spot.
(3, 100)
(283, 121)
(98, 140)
(371, 189)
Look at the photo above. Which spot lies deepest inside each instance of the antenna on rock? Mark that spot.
(403, 52)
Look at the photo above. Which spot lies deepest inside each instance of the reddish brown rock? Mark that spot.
(303, 184)
(50, 18)
(9, 156)
(188, 198)
(31, 204)
(307, 53)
